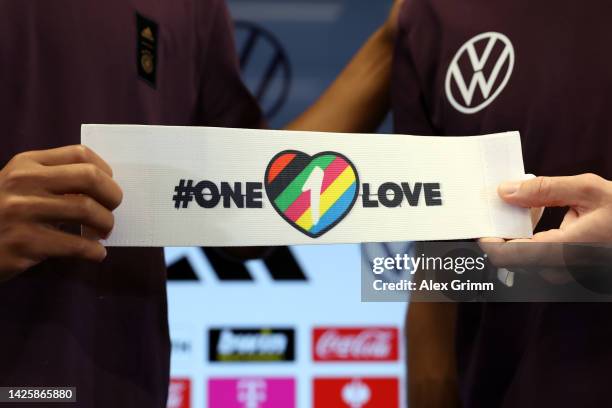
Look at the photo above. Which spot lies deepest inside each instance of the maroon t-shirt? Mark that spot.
(103, 328)
(481, 66)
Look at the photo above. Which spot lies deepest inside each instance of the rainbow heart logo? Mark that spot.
(312, 193)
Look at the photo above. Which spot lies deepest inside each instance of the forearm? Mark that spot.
(358, 100)
(432, 372)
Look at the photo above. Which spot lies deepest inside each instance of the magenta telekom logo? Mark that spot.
(251, 392)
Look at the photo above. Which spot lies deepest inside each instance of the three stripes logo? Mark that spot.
(280, 264)
(312, 193)
(488, 59)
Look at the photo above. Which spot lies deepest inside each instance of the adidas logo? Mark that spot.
(148, 34)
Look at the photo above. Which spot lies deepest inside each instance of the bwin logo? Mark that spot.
(494, 44)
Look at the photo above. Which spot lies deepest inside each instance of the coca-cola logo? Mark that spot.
(355, 344)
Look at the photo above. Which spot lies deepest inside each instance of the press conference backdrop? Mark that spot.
(288, 331)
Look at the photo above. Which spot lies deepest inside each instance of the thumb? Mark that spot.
(550, 191)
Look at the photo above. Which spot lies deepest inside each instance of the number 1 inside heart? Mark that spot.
(314, 183)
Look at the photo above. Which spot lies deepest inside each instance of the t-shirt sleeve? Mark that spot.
(407, 99)
(223, 99)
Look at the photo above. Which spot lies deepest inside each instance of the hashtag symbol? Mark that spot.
(184, 193)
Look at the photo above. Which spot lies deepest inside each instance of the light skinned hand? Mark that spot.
(588, 219)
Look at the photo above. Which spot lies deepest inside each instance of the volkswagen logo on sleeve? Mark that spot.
(483, 63)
